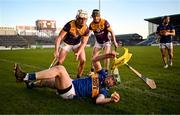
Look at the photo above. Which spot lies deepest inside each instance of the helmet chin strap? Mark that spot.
(166, 23)
(77, 24)
(106, 84)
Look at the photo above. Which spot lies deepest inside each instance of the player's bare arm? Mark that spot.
(96, 59)
(171, 33)
(113, 37)
(101, 99)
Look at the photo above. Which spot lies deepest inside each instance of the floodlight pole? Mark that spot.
(100, 5)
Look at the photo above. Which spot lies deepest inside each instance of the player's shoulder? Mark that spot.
(69, 21)
(104, 20)
(161, 26)
(171, 26)
(102, 73)
(91, 24)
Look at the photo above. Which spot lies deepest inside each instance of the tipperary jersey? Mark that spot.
(162, 29)
(74, 34)
(90, 86)
(100, 30)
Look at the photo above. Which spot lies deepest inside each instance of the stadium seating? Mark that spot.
(24, 41)
(129, 39)
(12, 41)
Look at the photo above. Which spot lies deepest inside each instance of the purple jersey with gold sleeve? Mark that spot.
(100, 30)
(83, 86)
(74, 34)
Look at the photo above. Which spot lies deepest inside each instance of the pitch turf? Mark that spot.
(136, 97)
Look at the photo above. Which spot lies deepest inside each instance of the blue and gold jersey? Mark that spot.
(74, 34)
(162, 29)
(100, 30)
(84, 87)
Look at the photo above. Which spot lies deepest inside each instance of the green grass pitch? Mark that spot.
(136, 96)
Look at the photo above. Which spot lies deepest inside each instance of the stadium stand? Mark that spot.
(151, 39)
(124, 39)
(7, 31)
(154, 22)
(129, 39)
(24, 41)
(12, 41)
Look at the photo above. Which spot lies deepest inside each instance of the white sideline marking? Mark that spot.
(170, 97)
(27, 65)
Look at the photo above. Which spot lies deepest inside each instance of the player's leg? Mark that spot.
(96, 51)
(97, 48)
(170, 53)
(163, 54)
(65, 48)
(63, 82)
(164, 58)
(82, 60)
(56, 71)
(62, 56)
(107, 49)
(50, 83)
(64, 85)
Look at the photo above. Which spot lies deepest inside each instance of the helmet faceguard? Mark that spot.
(95, 13)
(112, 77)
(117, 79)
(82, 14)
(166, 20)
(81, 18)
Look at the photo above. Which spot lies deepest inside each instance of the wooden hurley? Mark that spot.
(148, 81)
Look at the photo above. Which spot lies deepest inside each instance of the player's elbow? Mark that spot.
(174, 34)
(99, 101)
(93, 59)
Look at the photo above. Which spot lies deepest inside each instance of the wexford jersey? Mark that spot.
(83, 86)
(100, 30)
(162, 29)
(74, 34)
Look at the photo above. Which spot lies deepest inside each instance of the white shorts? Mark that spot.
(68, 47)
(106, 44)
(166, 45)
(68, 95)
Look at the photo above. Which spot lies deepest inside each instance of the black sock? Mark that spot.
(92, 69)
(106, 71)
(31, 76)
(78, 76)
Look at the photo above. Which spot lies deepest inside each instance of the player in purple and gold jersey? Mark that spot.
(95, 86)
(166, 32)
(73, 36)
(101, 29)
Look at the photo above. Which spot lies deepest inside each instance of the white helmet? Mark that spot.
(82, 14)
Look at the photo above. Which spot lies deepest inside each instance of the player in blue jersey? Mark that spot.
(95, 86)
(166, 32)
(73, 36)
(101, 29)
